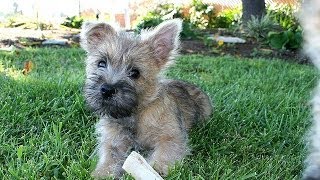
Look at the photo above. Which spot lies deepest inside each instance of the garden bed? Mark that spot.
(249, 49)
(21, 38)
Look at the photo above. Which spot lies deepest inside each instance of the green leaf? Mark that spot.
(20, 151)
(295, 41)
(278, 40)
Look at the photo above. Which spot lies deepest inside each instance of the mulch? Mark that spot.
(250, 49)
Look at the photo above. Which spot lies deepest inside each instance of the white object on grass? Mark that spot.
(138, 167)
(227, 39)
(61, 42)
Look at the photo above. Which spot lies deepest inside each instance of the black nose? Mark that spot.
(107, 90)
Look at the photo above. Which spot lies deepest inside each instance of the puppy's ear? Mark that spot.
(93, 34)
(164, 40)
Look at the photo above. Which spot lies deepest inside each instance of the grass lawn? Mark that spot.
(257, 132)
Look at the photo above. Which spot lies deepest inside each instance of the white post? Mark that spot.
(127, 18)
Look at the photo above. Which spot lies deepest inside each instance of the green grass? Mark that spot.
(260, 119)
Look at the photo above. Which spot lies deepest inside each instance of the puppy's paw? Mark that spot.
(104, 172)
(161, 168)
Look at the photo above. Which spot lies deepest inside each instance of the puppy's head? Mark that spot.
(122, 69)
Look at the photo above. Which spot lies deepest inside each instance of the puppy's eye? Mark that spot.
(134, 74)
(102, 64)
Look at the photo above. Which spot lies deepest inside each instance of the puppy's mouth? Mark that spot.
(117, 110)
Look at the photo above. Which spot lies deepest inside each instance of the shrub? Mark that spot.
(284, 15)
(259, 27)
(164, 12)
(73, 22)
(189, 31)
(201, 15)
(291, 35)
(161, 13)
(148, 22)
(285, 40)
(227, 18)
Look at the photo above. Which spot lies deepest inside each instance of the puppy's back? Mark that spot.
(193, 104)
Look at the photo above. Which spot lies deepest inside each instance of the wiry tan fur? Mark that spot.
(310, 20)
(153, 113)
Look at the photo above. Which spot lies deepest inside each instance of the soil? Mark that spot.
(250, 49)
(21, 38)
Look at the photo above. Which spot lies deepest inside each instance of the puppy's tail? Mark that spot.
(310, 21)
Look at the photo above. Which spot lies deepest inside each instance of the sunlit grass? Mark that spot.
(261, 116)
(10, 72)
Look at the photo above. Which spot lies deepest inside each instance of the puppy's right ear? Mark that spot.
(93, 34)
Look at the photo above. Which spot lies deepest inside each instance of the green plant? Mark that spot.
(286, 39)
(164, 12)
(201, 15)
(45, 26)
(214, 45)
(227, 18)
(208, 41)
(222, 22)
(73, 22)
(148, 22)
(284, 15)
(158, 15)
(168, 11)
(259, 27)
(189, 31)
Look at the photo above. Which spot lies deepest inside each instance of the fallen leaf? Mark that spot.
(28, 65)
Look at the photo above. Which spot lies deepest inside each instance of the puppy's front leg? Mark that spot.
(115, 143)
(167, 151)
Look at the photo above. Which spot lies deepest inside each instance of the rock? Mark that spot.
(7, 42)
(9, 48)
(227, 39)
(76, 38)
(30, 41)
(60, 42)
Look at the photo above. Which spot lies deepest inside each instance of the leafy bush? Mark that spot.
(189, 31)
(285, 40)
(284, 15)
(222, 22)
(201, 15)
(227, 18)
(291, 35)
(259, 28)
(148, 22)
(168, 11)
(73, 22)
(164, 12)
(161, 13)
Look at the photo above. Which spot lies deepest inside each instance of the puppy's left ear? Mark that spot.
(164, 40)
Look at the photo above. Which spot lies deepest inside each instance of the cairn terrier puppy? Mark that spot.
(310, 21)
(138, 108)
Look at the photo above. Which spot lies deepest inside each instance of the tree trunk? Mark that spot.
(256, 8)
